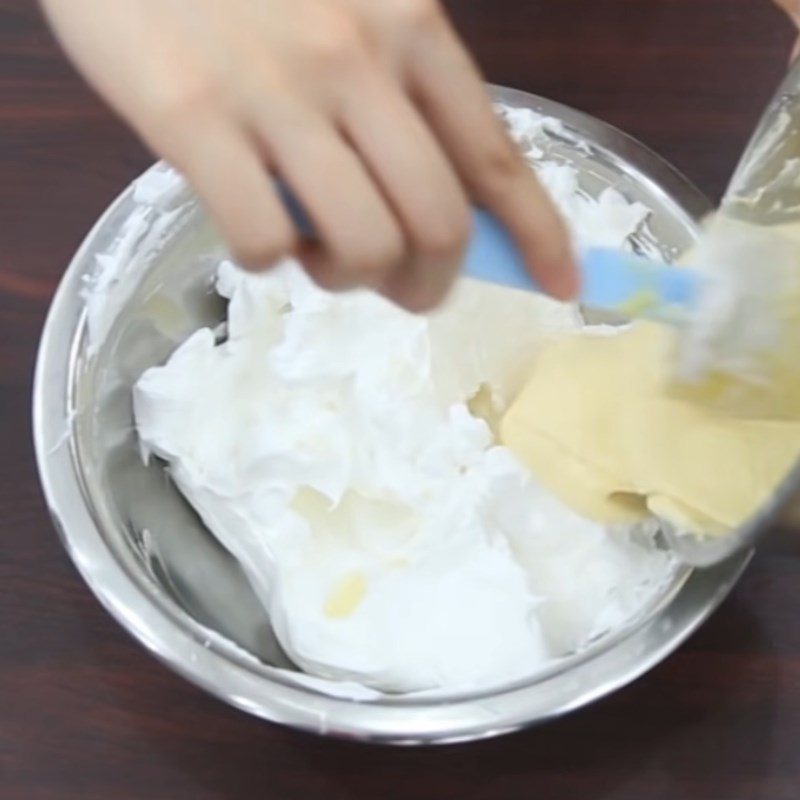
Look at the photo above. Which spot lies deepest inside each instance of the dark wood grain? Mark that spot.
(86, 713)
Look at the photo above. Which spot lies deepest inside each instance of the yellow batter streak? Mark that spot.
(597, 426)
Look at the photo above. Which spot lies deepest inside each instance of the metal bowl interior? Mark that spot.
(155, 567)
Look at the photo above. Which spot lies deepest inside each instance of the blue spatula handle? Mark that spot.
(610, 279)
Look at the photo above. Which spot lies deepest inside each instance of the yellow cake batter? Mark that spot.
(598, 426)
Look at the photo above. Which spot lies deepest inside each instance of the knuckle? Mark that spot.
(261, 251)
(416, 294)
(499, 164)
(369, 263)
(324, 273)
(336, 46)
(330, 279)
(413, 13)
(445, 239)
(181, 105)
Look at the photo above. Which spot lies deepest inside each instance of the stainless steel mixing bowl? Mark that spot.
(154, 566)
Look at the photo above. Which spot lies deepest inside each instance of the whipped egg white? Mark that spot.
(341, 449)
(344, 452)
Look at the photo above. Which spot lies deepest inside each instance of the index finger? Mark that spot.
(453, 97)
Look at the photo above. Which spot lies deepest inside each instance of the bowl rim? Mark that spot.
(194, 652)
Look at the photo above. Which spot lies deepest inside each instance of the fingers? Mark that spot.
(420, 185)
(792, 8)
(360, 241)
(230, 178)
(383, 177)
(450, 90)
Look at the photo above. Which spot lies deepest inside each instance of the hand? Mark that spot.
(371, 110)
(792, 8)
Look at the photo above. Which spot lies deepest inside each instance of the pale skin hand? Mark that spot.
(371, 110)
(792, 8)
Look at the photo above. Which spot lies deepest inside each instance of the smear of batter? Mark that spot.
(599, 426)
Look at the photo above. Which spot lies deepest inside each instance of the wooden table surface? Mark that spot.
(85, 713)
